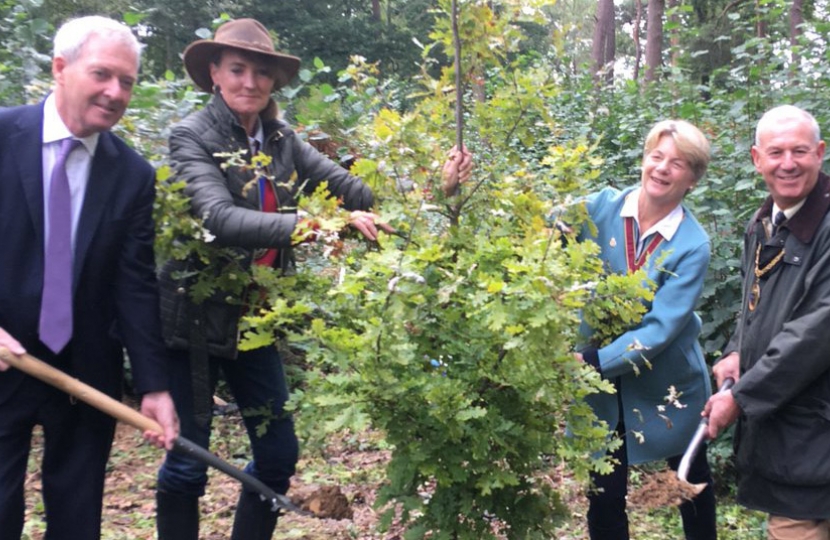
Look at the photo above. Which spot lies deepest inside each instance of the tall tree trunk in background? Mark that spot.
(674, 37)
(654, 40)
(635, 34)
(603, 48)
(761, 24)
(376, 10)
(796, 20)
(761, 32)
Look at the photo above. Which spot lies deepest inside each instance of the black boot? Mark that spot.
(607, 518)
(254, 519)
(177, 516)
(612, 533)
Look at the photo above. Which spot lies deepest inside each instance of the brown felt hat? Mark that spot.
(242, 34)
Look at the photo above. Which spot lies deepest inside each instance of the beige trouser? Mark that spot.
(781, 528)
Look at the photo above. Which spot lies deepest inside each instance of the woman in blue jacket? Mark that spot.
(648, 226)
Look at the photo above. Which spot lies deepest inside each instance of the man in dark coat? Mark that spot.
(780, 353)
(77, 280)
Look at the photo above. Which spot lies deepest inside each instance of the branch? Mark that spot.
(459, 119)
(455, 209)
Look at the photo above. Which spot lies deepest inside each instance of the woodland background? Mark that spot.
(450, 342)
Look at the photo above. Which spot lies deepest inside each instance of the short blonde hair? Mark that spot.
(691, 143)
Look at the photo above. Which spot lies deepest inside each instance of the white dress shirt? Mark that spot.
(78, 164)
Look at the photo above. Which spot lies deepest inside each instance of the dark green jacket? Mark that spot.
(782, 442)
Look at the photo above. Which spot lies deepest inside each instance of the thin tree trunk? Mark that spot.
(459, 116)
(654, 40)
(376, 10)
(761, 24)
(635, 34)
(603, 48)
(610, 44)
(761, 31)
(796, 20)
(455, 208)
(674, 38)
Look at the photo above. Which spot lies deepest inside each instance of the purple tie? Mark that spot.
(56, 304)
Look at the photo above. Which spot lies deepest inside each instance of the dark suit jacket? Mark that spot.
(115, 298)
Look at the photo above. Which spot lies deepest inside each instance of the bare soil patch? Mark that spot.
(663, 489)
(338, 483)
(339, 487)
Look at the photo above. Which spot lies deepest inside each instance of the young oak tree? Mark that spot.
(453, 338)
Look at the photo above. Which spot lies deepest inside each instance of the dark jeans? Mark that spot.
(257, 382)
(77, 441)
(607, 518)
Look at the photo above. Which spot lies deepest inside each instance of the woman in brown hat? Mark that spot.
(241, 68)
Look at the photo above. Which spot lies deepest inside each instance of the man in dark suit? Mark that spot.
(77, 281)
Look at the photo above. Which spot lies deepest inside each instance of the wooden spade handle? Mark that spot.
(72, 386)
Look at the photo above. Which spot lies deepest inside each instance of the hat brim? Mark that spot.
(199, 54)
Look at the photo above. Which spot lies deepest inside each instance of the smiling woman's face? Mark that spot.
(667, 175)
(245, 82)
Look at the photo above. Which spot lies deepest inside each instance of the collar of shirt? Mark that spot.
(258, 136)
(667, 227)
(807, 221)
(78, 164)
(55, 130)
(789, 212)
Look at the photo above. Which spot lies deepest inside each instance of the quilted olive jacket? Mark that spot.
(233, 214)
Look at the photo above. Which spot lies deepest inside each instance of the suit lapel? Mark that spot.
(28, 144)
(103, 180)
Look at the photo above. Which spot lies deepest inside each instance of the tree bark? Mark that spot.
(761, 23)
(654, 40)
(376, 10)
(674, 37)
(603, 48)
(635, 34)
(796, 20)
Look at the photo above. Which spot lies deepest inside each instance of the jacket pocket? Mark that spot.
(211, 325)
(793, 446)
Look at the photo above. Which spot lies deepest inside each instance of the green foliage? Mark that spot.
(22, 64)
(726, 107)
(336, 31)
(168, 27)
(609, 313)
(458, 347)
(454, 336)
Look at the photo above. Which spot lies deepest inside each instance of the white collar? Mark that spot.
(54, 128)
(258, 136)
(789, 212)
(667, 227)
